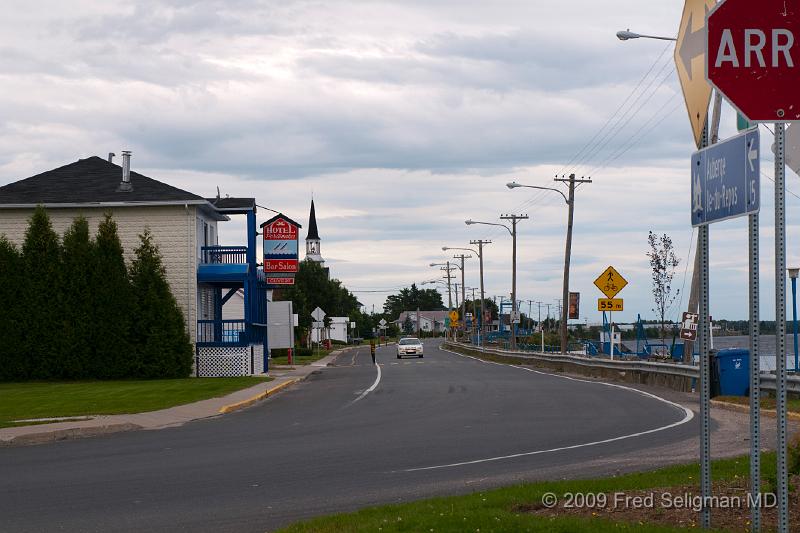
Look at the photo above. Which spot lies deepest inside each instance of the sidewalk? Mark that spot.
(284, 377)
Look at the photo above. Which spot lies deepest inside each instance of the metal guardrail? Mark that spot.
(669, 369)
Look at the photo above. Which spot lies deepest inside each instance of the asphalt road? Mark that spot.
(440, 425)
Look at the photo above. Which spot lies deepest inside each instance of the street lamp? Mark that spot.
(626, 35)
(479, 252)
(513, 232)
(793, 273)
(449, 269)
(568, 248)
(463, 292)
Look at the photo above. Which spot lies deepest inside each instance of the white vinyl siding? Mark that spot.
(174, 231)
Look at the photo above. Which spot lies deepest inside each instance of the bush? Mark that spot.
(163, 349)
(68, 310)
(11, 361)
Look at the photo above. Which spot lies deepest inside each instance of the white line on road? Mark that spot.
(372, 388)
(688, 416)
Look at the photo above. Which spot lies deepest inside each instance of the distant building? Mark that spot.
(429, 321)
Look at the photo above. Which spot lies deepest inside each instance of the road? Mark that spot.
(341, 440)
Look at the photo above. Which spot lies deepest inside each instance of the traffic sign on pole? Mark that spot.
(610, 282)
(752, 57)
(726, 179)
(689, 327)
(318, 314)
(690, 52)
(610, 304)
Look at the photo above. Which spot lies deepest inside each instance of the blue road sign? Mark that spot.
(726, 179)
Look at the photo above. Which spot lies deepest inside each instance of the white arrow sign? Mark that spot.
(752, 155)
(318, 314)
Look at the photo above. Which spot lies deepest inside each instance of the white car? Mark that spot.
(409, 346)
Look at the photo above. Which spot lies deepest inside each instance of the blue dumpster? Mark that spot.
(731, 368)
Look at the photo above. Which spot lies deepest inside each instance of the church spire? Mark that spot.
(313, 233)
(313, 252)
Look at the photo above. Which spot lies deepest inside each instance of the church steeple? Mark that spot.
(313, 252)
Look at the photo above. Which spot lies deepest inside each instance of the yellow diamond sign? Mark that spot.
(610, 282)
(453, 316)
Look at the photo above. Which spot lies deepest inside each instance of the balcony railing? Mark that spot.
(224, 255)
(221, 332)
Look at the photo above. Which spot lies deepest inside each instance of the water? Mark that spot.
(766, 348)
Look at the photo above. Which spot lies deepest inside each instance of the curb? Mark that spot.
(771, 413)
(260, 396)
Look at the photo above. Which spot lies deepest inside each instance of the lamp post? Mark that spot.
(626, 35)
(463, 291)
(479, 253)
(568, 247)
(513, 232)
(793, 273)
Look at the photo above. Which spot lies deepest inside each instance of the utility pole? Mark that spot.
(530, 314)
(463, 293)
(514, 219)
(449, 276)
(572, 182)
(548, 317)
(480, 244)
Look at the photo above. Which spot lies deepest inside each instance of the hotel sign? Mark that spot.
(281, 245)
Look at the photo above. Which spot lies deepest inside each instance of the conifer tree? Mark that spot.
(76, 339)
(163, 349)
(112, 304)
(11, 356)
(41, 298)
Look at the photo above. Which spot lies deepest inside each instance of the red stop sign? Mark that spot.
(753, 57)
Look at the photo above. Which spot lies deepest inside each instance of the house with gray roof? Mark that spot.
(202, 274)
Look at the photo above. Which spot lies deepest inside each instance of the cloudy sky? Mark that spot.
(401, 118)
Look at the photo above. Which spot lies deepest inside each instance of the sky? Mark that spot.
(402, 119)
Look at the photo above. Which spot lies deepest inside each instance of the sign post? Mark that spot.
(281, 244)
(752, 59)
(610, 283)
(319, 323)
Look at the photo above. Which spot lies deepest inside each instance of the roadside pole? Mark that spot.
(482, 331)
(780, 321)
(514, 219)
(755, 378)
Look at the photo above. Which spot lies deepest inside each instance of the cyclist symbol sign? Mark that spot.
(610, 282)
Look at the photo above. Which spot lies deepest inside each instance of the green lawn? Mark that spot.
(299, 361)
(792, 404)
(79, 398)
(504, 510)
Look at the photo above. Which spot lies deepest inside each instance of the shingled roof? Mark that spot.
(90, 181)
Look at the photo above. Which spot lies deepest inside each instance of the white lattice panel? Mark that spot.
(258, 358)
(218, 362)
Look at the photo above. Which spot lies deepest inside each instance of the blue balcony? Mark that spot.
(222, 333)
(223, 264)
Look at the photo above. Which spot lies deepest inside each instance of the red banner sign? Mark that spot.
(280, 281)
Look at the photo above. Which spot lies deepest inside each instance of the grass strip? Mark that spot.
(792, 404)
(20, 401)
(503, 510)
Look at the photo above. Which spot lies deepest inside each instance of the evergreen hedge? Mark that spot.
(73, 310)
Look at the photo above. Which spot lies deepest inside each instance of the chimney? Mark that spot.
(111, 157)
(125, 185)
